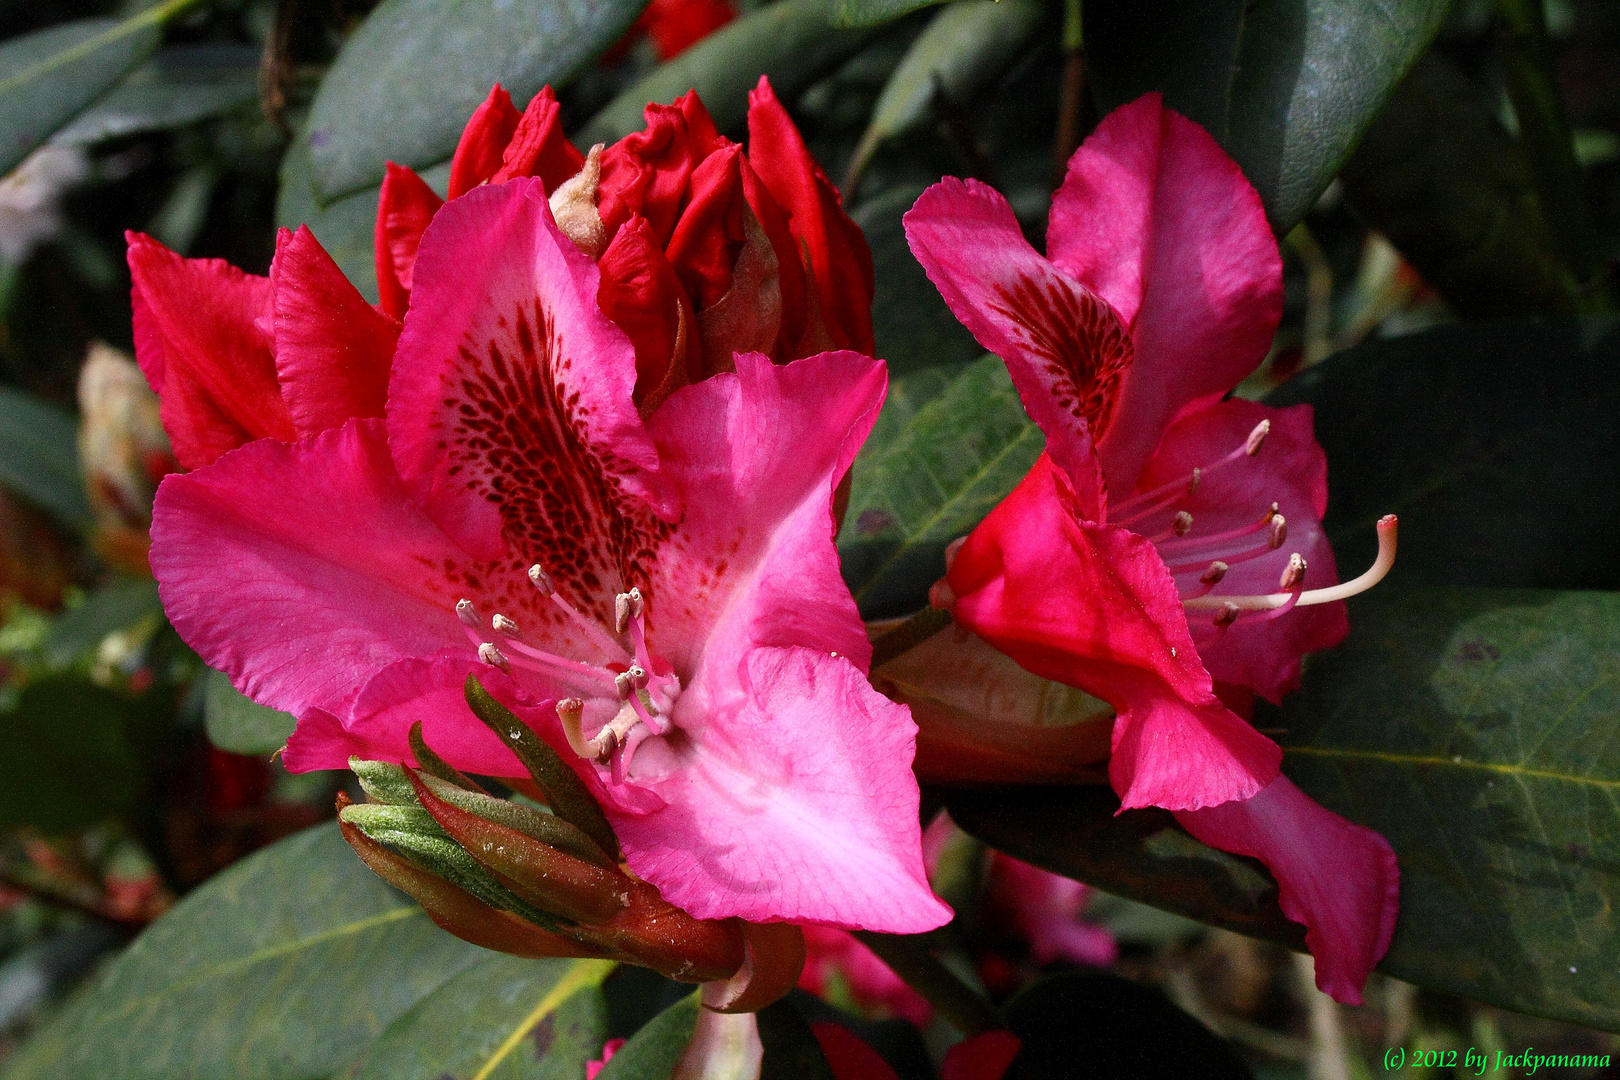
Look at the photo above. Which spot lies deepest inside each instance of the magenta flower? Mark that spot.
(1162, 545)
(659, 597)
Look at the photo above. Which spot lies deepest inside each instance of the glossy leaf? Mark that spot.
(1472, 729)
(49, 76)
(652, 1053)
(964, 48)
(406, 82)
(64, 760)
(926, 479)
(792, 41)
(39, 457)
(119, 605)
(239, 724)
(180, 85)
(1286, 86)
(877, 12)
(1496, 445)
(503, 1019)
(284, 967)
(913, 327)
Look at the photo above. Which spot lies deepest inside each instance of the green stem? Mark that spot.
(1544, 131)
(963, 1008)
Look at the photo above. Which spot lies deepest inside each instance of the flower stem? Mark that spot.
(908, 634)
(962, 1007)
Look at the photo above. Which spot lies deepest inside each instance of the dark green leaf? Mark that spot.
(1286, 86)
(1496, 444)
(180, 85)
(913, 327)
(117, 606)
(284, 967)
(791, 1049)
(407, 81)
(64, 760)
(1443, 179)
(49, 76)
(39, 457)
(344, 227)
(792, 41)
(877, 12)
(1472, 728)
(503, 1019)
(654, 1050)
(923, 481)
(1120, 1029)
(965, 47)
(239, 724)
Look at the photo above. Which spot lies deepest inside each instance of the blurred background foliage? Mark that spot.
(1432, 170)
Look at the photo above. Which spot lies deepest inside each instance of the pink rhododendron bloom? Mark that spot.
(658, 596)
(1162, 545)
(1048, 910)
(835, 960)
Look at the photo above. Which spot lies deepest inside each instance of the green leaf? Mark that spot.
(923, 481)
(792, 41)
(965, 47)
(117, 606)
(652, 1053)
(39, 457)
(49, 76)
(64, 760)
(506, 1018)
(1286, 86)
(239, 724)
(344, 227)
(406, 82)
(180, 85)
(1472, 728)
(877, 12)
(913, 326)
(791, 1050)
(1494, 443)
(284, 967)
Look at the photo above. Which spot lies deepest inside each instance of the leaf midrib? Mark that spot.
(1440, 761)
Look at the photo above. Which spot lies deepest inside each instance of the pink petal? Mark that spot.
(1156, 219)
(837, 956)
(401, 694)
(1338, 878)
(1092, 606)
(797, 804)
(1066, 350)
(333, 349)
(1290, 470)
(302, 570)
(754, 457)
(198, 340)
(1048, 910)
(510, 411)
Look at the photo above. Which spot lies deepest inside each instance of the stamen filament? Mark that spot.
(1387, 527)
(1259, 551)
(1176, 547)
(643, 710)
(541, 660)
(542, 582)
(1185, 485)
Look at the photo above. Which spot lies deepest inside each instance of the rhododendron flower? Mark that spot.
(658, 597)
(703, 251)
(1048, 910)
(836, 965)
(673, 26)
(1162, 544)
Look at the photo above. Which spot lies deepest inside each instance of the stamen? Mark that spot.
(1227, 615)
(489, 654)
(468, 614)
(642, 703)
(1208, 580)
(1387, 535)
(1259, 551)
(1219, 538)
(506, 627)
(638, 677)
(621, 683)
(1279, 531)
(544, 661)
(1144, 503)
(571, 711)
(626, 606)
(1293, 573)
(1181, 524)
(542, 581)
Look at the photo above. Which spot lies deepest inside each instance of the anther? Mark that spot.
(1279, 530)
(1182, 523)
(571, 711)
(541, 580)
(1213, 575)
(638, 677)
(1194, 480)
(468, 614)
(626, 606)
(1294, 573)
(506, 627)
(623, 683)
(1257, 437)
(1227, 615)
(489, 654)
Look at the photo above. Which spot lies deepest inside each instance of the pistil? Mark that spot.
(1297, 596)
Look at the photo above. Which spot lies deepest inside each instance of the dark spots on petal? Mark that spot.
(1080, 343)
